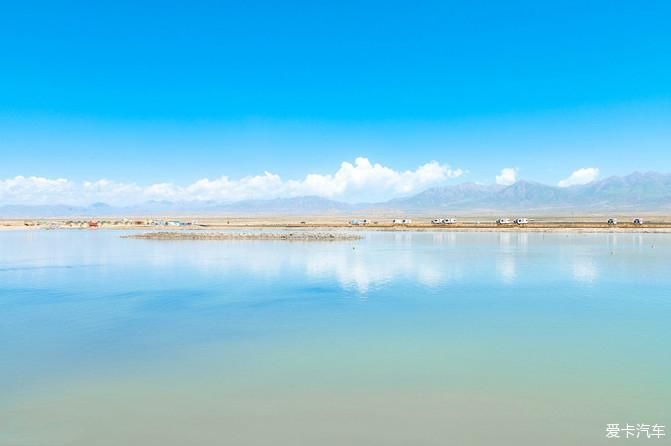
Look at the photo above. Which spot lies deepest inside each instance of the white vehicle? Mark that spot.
(365, 221)
(437, 221)
(355, 222)
(612, 221)
(522, 221)
(449, 221)
(406, 221)
(638, 221)
(398, 221)
(503, 221)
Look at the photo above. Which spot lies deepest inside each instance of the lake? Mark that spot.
(424, 338)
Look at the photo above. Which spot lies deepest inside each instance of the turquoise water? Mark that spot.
(397, 339)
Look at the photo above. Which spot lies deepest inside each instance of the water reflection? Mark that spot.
(180, 331)
(428, 259)
(584, 269)
(506, 268)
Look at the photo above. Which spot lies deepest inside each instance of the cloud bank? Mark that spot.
(507, 176)
(581, 176)
(354, 182)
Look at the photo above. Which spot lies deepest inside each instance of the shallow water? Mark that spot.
(397, 339)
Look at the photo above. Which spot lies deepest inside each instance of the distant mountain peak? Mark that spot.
(645, 191)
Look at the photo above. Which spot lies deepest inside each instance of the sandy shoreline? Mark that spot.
(318, 229)
(577, 224)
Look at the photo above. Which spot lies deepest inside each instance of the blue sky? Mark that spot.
(167, 92)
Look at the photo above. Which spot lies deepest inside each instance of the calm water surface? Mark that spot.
(397, 339)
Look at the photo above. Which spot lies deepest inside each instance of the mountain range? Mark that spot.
(639, 191)
(644, 192)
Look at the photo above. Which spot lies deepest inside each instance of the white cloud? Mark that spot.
(507, 176)
(33, 190)
(358, 181)
(580, 176)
